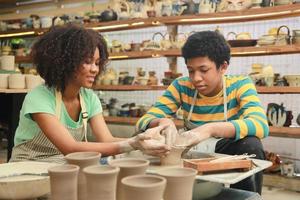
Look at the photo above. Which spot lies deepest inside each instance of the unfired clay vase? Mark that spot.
(146, 187)
(174, 157)
(63, 182)
(128, 167)
(83, 159)
(101, 182)
(179, 183)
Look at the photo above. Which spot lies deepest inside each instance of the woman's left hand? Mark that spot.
(151, 142)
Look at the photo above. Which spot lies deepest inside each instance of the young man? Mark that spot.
(214, 105)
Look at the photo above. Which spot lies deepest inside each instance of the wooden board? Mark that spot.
(205, 166)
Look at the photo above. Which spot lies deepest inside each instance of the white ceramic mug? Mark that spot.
(4, 81)
(8, 62)
(16, 81)
(32, 81)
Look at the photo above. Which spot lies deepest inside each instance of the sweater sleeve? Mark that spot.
(253, 120)
(165, 107)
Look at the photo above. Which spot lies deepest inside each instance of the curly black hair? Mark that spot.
(207, 43)
(59, 52)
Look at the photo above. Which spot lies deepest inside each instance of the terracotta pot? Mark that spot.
(174, 157)
(180, 183)
(146, 187)
(128, 167)
(101, 182)
(63, 182)
(83, 159)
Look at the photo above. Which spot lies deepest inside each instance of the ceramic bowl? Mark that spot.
(24, 186)
(293, 80)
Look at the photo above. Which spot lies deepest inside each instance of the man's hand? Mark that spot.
(193, 137)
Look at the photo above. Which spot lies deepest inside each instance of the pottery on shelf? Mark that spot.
(128, 167)
(83, 159)
(180, 183)
(101, 182)
(146, 187)
(63, 182)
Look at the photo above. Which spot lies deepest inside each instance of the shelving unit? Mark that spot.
(267, 13)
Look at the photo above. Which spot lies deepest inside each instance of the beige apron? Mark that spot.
(208, 145)
(40, 148)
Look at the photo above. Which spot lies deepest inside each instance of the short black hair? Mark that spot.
(60, 51)
(207, 43)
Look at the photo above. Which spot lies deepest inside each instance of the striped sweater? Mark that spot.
(244, 109)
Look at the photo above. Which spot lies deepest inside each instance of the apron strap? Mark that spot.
(193, 104)
(85, 116)
(225, 98)
(58, 99)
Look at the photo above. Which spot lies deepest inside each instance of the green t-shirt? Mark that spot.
(42, 100)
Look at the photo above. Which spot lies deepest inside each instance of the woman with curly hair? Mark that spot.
(54, 115)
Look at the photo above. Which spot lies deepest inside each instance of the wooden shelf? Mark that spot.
(291, 132)
(278, 90)
(236, 52)
(278, 181)
(267, 13)
(14, 90)
(129, 87)
(261, 90)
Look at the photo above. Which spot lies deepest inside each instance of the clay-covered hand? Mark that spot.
(150, 142)
(170, 133)
(191, 138)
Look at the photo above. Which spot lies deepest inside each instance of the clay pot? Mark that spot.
(101, 182)
(180, 183)
(174, 157)
(63, 182)
(146, 187)
(83, 159)
(128, 167)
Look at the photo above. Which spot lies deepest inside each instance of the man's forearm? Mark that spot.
(217, 129)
